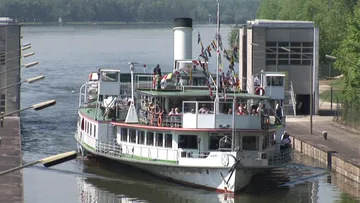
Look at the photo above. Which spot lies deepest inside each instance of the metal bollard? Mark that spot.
(2, 120)
(324, 133)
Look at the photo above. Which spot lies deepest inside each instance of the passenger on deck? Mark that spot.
(157, 77)
(151, 107)
(172, 112)
(256, 81)
(278, 113)
(285, 141)
(177, 118)
(230, 111)
(157, 70)
(203, 109)
(241, 109)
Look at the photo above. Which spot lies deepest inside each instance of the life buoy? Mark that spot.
(160, 120)
(260, 91)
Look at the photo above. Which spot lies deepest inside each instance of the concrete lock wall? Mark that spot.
(331, 159)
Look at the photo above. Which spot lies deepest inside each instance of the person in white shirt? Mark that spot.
(285, 141)
(256, 81)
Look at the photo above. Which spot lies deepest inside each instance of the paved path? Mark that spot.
(345, 142)
(11, 185)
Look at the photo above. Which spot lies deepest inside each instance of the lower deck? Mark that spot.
(183, 148)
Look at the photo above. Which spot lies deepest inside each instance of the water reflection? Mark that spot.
(132, 185)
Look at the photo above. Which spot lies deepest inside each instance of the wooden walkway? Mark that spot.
(11, 185)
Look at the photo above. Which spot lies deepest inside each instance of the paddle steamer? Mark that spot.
(173, 126)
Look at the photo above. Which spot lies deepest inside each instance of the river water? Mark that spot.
(67, 54)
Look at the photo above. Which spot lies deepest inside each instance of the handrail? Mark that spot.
(282, 157)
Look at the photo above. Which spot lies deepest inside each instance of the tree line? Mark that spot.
(339, 24)
(235, 11)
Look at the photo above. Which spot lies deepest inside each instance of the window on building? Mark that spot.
(132, 135)
(2, 103)
(301, 53)
(159, 140)
(188, 142)
(168, 140)
(2, 58)
(250, 143)
(124, 134)
(141, 138)
(150, 138)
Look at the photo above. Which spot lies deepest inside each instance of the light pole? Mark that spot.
(47, 162)
(28, 65)
(311, 84)
(36, 107)
(30, 80)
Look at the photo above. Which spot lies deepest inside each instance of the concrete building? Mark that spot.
(10, 58)
(262, 44)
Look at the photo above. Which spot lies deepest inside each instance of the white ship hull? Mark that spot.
(210, 178)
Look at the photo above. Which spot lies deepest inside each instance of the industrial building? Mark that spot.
(291, 47)
(10, 58)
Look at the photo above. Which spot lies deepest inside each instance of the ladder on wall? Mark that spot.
(290, 101)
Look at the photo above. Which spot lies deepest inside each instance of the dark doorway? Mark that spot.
(302, 104)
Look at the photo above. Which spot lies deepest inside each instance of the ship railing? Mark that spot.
(144, 82)
(108, 148)
(281, 157)
(138, 152)
(154, 119)
(88, 93)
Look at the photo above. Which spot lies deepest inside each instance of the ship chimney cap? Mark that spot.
(183, 22)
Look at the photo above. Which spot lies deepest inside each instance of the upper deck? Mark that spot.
(176, 100)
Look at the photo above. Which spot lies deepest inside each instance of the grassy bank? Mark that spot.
(325, 89)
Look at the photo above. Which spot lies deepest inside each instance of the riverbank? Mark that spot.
(111, 23)
(340, 152)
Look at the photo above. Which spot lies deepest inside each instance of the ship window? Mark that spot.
(109, 76)
(275, 80)
(141, 138)
(90, 129)
(124, 133)
(94, 130)
(82, 124)
(132, 135)
(266, 141)
(250, 142)
(168, 140)
(150, 138)
(188, 142)
(214, 142)
(159, 140)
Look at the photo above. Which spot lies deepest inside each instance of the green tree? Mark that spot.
(348, 57)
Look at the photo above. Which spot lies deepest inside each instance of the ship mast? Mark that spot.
(217, 56)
